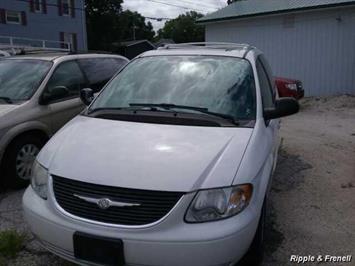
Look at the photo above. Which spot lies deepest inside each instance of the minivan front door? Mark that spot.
(61, 107)
(268, 94)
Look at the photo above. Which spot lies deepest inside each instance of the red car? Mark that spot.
(289, 87)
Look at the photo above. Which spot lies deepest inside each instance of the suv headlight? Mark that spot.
(220, 203)
(292, 86)
(39, 180)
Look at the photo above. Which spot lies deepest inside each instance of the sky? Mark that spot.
(171, 8)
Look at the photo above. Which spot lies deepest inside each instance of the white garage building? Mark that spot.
(310, 40)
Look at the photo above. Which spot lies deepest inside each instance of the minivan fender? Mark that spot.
(19, 129)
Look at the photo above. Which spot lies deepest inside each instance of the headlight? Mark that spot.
(292, 86)
(39, 180)
(216, 204)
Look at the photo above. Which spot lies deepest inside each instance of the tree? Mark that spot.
(183, 29)
(133, 26)
(102, 19)
(107, 24)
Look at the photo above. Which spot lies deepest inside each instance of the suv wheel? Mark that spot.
(254, 255)
(18, 160)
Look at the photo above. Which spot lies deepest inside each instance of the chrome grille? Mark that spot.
(154, 205)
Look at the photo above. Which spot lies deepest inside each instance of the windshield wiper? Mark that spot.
(6, 99)
(90, 111)
(169, 106)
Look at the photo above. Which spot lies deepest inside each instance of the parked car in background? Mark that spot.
(170, 165)
(38, 95)
(4, 54)
(289, 87)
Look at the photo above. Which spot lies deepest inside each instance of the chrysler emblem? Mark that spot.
(105, 203)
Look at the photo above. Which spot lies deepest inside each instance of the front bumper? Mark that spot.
(171, 242)
(300, 94)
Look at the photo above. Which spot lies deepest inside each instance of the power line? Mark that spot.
(81, 9)
(157, 19)
(199, 4)
(174, 5)
(154, 1)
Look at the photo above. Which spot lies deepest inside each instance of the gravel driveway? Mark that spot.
(311, 207)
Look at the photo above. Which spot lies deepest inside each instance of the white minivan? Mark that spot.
(170, 164)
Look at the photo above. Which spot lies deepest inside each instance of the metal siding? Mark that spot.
(46, 26)
(319, 50)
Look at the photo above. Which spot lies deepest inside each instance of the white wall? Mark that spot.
(318, 49)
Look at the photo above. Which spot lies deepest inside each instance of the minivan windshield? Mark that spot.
(19, 78)
(221, 85)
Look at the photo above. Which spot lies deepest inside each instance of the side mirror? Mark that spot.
(87, 95)
(55, 93)
(283, 107)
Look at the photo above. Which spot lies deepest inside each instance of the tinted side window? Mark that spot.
(100, 70)
(268, 71)
(69, 75)
(265, 86)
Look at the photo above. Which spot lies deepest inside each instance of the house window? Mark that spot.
(38, 6)
(69, 38)
(13, 17)
(66, 7)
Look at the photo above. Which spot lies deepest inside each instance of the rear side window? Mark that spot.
(265, 86)
(100, 70)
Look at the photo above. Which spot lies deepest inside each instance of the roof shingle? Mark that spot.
(249, 8)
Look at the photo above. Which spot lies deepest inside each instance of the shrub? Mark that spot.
(11, 242)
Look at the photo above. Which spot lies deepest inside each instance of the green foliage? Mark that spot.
(3, 261)
(183, 29)
(101, 18)
(107, 24)
(11, 242)
(103, 7)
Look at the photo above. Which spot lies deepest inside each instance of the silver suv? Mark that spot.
(38, 95)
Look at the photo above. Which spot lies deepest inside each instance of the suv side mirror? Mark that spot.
(283, 107)
(55, 93)
(87, 95)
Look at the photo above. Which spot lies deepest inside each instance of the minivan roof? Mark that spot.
(207, 48)
(60, 56)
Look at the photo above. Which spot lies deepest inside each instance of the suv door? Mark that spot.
(100, 70)
(64, 107)
(268, 95)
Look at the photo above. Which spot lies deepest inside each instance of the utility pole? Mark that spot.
(134, 32)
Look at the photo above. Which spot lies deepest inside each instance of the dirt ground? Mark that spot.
(313, 194)
(311, 206)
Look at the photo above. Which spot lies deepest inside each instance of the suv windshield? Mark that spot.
(19, 78)
(222, 85)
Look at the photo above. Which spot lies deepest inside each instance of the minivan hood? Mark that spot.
(6, 108)
(145, 156)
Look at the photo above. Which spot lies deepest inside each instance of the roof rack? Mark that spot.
(210, 45)
(15, 46)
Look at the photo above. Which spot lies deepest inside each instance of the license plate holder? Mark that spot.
(101, 250)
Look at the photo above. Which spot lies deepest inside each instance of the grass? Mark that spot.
(11, 242)
(3, 261)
